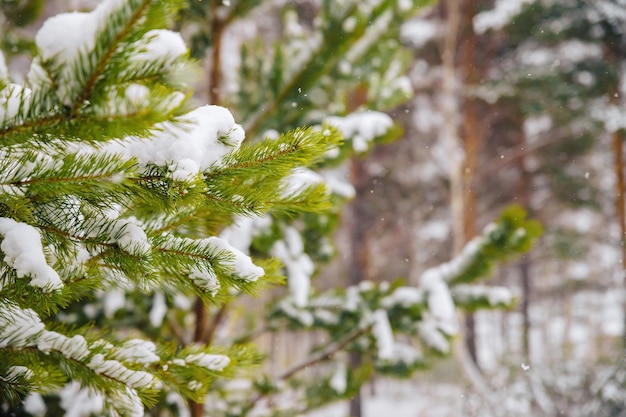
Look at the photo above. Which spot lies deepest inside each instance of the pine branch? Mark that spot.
(326, 354)
(111, 47)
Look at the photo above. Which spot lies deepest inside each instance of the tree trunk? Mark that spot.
(358, 251)
(525, 281)
(524, 192)
(450, 135)
(215, 71)
(617, 142)
(473, 135)
(462, 147)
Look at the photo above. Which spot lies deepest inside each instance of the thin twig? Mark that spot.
(323, 355)
(211, 328)
(492, 168)
(318, 357)
(177, 331)
(250, 336)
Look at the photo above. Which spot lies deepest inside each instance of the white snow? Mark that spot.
(494, 295)
(4, 72)
(114, 369)
(80, 402)
(205, 279)
(19, 371)
(338, 381)
(244, 229)
(288, 307)
(23, 252)
(199, 141)
(138, 351)
(241, 264)
(299, 180)
(362, 127)
(128, 402)
(74, 347)
(300, 267)
(404, 297)
(498, 17)
(13, 98)
(131, 238)
(113, 300)
(18, 327)
(338, 184)
(418, 32)
(545, 59)
(536, 125)
(612, 116)
(131, 100)
(432, 337)
(125, 232)
(63, 38)
(158, 310)
(381, 329)
(439, 299)
(209, 361)
(177, 400)
(35, 405)
(159, 44)
(406, 353)
(326, 316)
(194, 385)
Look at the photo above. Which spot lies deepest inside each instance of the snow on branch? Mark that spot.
(498, 17)
(23, 252)
(362, 127)
(477, 296)
(210, 257)
(199, 142)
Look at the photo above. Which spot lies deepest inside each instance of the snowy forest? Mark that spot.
(316, 208)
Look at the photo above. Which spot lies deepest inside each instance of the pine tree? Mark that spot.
(107, 169)
(140, 212)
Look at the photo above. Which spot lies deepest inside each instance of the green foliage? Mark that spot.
(132, 235)
(350, 317)
(21, 12)
(511, 235)
(352, 48)
(101, 218)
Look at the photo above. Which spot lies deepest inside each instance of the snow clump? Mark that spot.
(211, 362)
(23, 251)
(200, 141)
(499, 16)
(362, 127)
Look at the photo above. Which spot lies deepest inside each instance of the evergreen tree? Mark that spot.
(106, 170)
(128, 216)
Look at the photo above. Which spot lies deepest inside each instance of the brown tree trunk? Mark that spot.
(473, 133)
(215, 71)
(617, 143)
(523, 194)
(200, 312)
(450, 134)
(526, 284)
(462, 133)
(358, 251)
